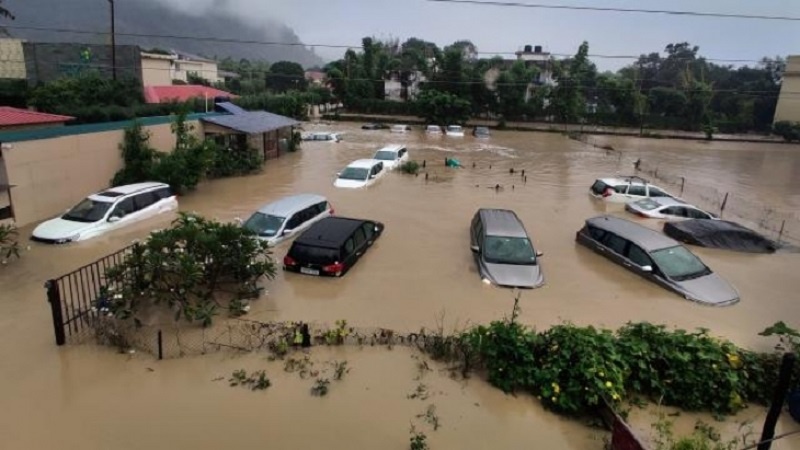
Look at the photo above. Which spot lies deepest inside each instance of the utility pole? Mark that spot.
(113, 43)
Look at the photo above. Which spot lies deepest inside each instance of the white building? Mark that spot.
(399, 88)
(533, 56)
(160, 69)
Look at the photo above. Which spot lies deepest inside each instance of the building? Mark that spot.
(240, 129)
(402, 86)
(315, 77)
(182, 93)
(157, 69)
(45, 62)
(186, 65)
(166, 68)
(533, 56)
(12, 59)
(15, 119)
(788, 108)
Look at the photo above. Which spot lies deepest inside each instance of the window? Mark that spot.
(349, 247)
(369, 230)
(676, 211)
(401, 152)
(615, 243)
(596, 233)
(508, 250)
(656, 192)
(87, 211)
(638, 190)
(359, 237)
(144, 200)
(621, 188)
(123, 208)
(354, 173)
(319, 208)
(638, 256)
(385, 155)
(679, 263)
(314, 255)
(163, 193)
(264, 224)
(697, 214)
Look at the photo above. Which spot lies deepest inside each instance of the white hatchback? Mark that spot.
(454, 131)
(288, 217)
(392, 156)
(625, 189)
(359, 174)
(107, 210)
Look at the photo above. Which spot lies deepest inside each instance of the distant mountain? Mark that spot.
(146, 17)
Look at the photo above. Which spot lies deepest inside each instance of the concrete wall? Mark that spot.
(12, 59)
(205, 69)
(50, 61)
(789, 100)
(156, 71)
(54, 174)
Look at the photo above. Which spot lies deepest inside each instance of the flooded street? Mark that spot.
(419, 270)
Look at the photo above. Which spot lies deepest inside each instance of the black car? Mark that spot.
(375, 126)
(331, 246)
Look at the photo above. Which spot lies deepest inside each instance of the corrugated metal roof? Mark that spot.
(53, 132)
(182, 93)
(15, 116)
(231, 108)
(252, 122)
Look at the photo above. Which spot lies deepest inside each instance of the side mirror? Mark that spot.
(288, 231)
(338, 174)
(475, 248)
(113, 219)
(539, 254)
(647, 269)
(371, 177)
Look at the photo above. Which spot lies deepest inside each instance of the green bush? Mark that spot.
(410, 167)
(789, 131)
(227, 162)
(192, 269)
(9, 244)
(291, 104)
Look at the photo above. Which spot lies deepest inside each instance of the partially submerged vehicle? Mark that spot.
(287, 217)
(359, 174)
(666, 208)
(454, 131)
(624, 189)
(375, 126)
(481, 132)
(720, 234)
(433, 129)
(400, 128)
(322, 136)
(392, 156)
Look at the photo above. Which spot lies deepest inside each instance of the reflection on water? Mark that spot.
(420, 268)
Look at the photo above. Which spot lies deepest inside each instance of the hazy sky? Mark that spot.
(506, 29)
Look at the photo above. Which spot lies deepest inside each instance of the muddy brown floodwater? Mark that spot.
(88, 397)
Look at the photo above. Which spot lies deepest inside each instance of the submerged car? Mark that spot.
(657, 258)
(503, 251)
(331, 246)
(322, 136)
(454, 131)
(625, 189)
(481, 132)
(720, 234)
(433, 129)
(400, 128)
(666, 208)
(392, 156)
(287, 217)
(359, 174)
(375, 126)
(104, 211)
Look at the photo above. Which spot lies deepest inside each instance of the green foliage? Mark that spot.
(418, 440)
(256, 381)
(442, 108)
(137, 155)
(68, 94)
(336, 336)
(286, 75)
(789, 131)
(9, 244)
(703, 437)
(295, 141)
(191, 269)
(14, 93)
(291, 104)
(321, 387)
(410, 167)
(227, 162)
(506, 349)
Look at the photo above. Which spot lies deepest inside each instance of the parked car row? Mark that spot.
(365, 172)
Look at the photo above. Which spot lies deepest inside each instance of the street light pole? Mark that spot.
(113, 44)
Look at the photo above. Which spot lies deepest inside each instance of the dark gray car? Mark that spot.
(657, 258)
(503, 250)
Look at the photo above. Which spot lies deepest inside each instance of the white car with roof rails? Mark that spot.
(454, 131)
(360, 174)
(288, 217)
(667, 208)
(322, 136)
(624, 189)
(392, 156)
(433, 129)
(107, 210)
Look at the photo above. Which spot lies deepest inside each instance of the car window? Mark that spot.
(599, 187)
(264, 224)
(143, 200)
(313, 255)
(508, 250)
(320, 208)
(354, 173)
(295, 221)
(656, 192)
(639, 256)
(359, 237)
(369, 230)
(596, 233)
(679, 263)
(349, 246)
(615, 243)
(87, 211)
(123, 208)
(621, 188)
(697, 214)
(677, 211)
(638, 190)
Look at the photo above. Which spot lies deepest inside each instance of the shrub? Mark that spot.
(192, 269)
(410, 167)
(506, 350)
(789, 131)
(9, 245)
(226, 162)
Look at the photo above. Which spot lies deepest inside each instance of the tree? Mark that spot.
(667, 102)
(568, 103)
(442, 108)
(286, 75)
(512, 90)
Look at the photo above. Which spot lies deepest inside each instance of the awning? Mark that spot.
(255, 122)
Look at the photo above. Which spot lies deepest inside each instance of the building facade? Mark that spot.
(788, 108)
(12, 60)
(45, 62)
(157, 69)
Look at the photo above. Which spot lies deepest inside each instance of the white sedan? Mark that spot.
(392, 156)
(667, 208)
(359, 174)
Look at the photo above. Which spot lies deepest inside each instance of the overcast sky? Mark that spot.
(507, 29)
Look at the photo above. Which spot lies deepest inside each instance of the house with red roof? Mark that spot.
(182, 93)
(14, 119)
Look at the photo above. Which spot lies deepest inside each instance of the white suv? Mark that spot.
(392, 156)
(359, 174)
(625, 189)
(107, 210)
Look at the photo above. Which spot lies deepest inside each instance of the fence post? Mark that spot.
(724, 202)
(683, 184)
(160, 346)
(54, 298)
(778, 400)
(780, 233)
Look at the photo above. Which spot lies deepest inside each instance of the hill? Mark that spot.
(147, 17)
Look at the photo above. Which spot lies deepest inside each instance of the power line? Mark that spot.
(342, 46)
(622, 10)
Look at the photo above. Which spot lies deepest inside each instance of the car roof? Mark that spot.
(640, 235)
(633, 179)
(502, 222)
(131, 188)
(364, 163)
(289, 205)
(454, 126)
(330, 232)
(669, 201)
(391, 148)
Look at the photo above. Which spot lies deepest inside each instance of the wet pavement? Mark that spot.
(419, 270)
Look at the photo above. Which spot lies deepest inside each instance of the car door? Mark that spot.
(636, 192)
(675, 212)
(145, 205)
(349, 257)
(694, 213)
(638, 259)
(360, 242)
(615, 248)
(122, 213)
(369, 232)
(293, 224)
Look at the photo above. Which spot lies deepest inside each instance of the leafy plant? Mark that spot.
(410, 167)
(788, 336)
(703, 437)
(789, 131)
(431, 417)
(321, 387)
(340, 369)
(190, 268)
(336, 336)
(421, 392)
(418, 440)
(256, 381)
(9, 245)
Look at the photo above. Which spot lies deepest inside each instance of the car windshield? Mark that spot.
(385, 155)
(453, 128)
(88, 211)
(679, 263)
(647, 204)
(264, 224)
(508, 250)
(433, 128)
(354, 173)
(480, 130)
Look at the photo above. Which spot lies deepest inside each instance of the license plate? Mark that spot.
(308, 271)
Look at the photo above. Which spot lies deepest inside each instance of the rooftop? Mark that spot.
(288, 205)
(502, 222)
(254, 122)
(363, 163)
(182, 93)
(649, 240)
(329, 232)
(15, 116)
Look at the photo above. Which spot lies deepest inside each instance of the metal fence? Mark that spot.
(783, 226)
(73, 298)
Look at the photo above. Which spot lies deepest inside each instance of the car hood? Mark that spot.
(59, 228)
(352, 184)
(710, 289)
(513, 275)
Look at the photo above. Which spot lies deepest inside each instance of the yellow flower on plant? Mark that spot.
(714, 366)
(553, 399)
(734, 361)
(615, 396)
(556, 388)
(609, 384)
(601, 374)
